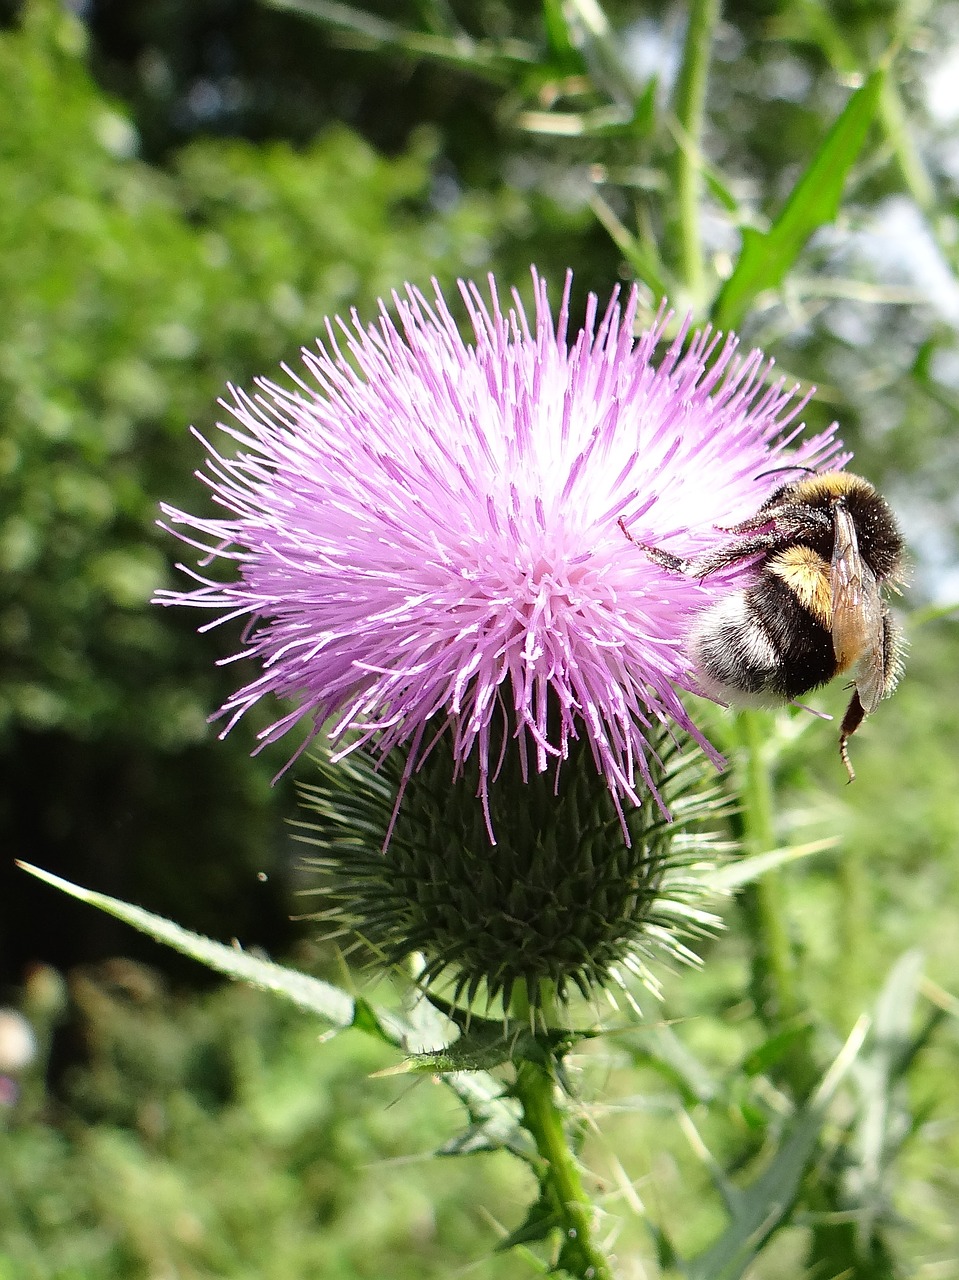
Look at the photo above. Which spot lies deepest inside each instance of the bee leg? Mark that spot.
(710, 561)
(666, 558)
(789, 517)
(813, 711)
(855, 714)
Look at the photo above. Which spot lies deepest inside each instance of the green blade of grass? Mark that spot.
(734, 875)
(765, 257)
(559, 41)
(640, 253)
(482, 58)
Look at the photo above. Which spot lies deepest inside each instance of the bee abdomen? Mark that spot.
(760, 644)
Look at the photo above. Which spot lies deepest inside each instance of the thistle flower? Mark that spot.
(426, 530)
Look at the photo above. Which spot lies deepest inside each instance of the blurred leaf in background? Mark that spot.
(129, 295)
(214, 1136)
(188, 189)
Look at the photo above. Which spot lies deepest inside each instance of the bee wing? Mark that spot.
(857, 631)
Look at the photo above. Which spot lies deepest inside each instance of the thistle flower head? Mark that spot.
(426, 539)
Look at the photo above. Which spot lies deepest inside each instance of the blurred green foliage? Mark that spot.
(128, 298)
(220, 1135)
(216, 1137)
(252, 173)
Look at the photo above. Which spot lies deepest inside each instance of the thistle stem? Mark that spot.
(776, 990)
(777, 998)
(690, 114)
(560, 1180)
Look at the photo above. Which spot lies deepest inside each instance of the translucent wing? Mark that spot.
(857, 631)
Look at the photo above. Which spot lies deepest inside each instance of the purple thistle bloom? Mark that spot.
(426, 530)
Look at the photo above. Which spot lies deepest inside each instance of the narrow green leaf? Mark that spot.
(733, 875)
(377, 1023)
(720, 190)
(666, 1255)
(639, 253)
(765, 257)
(321, 998)
(776, 1048)
(564, 52)
(482, 58)
(483, 1047)
(456, 1057)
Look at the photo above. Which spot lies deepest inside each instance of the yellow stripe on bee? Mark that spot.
(806, 574)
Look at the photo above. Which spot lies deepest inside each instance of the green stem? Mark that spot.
(560, 1181)
(913, 171)
(776, 990)
(690, 113)
(777, 997)
(855, 910)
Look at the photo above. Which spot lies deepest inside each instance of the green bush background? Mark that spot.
(152, 249)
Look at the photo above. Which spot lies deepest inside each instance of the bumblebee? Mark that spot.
(825, 546)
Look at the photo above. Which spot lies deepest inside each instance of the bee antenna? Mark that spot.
(794, 466)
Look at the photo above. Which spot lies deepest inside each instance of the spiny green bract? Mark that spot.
(570, 896)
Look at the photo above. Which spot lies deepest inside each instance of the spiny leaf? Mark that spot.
(495, 1118)
(330, 1003)
(486, 1135)
(483, 1048)
(758, 1209)
(539, 1223)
